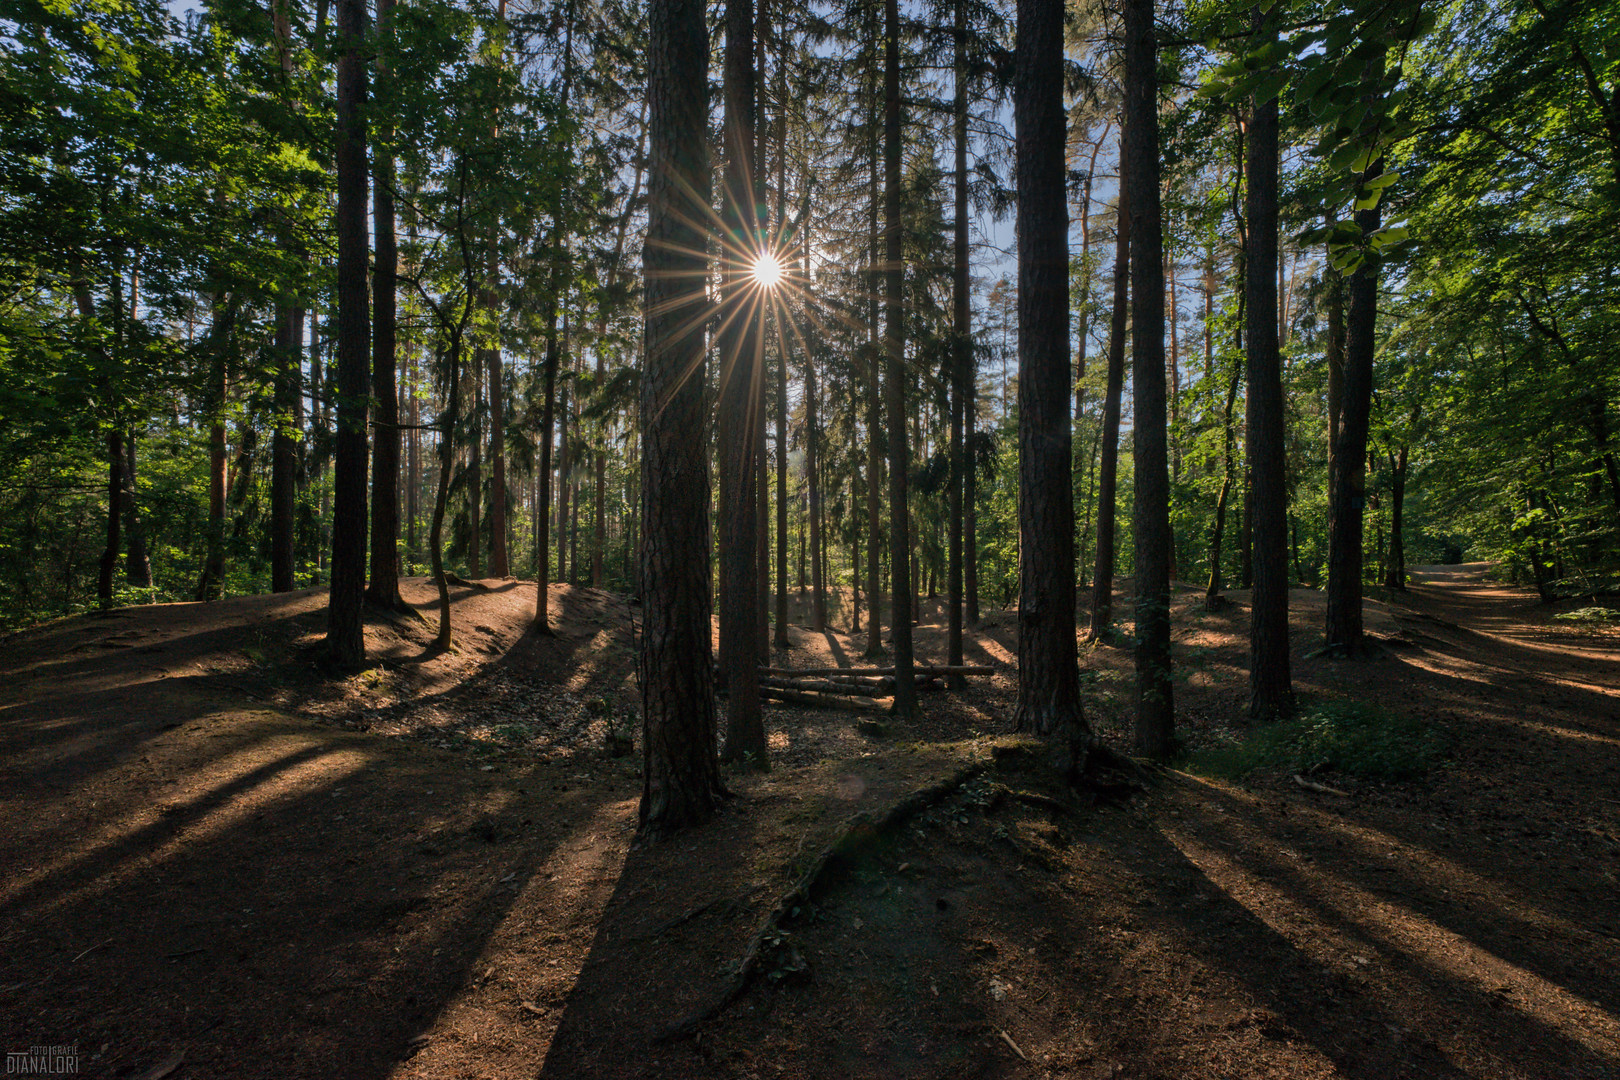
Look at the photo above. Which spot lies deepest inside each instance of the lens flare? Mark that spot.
(767, 270)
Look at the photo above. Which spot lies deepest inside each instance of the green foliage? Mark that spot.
(1351, 737)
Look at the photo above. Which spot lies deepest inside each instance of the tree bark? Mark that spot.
(961, 345)
(1395, 578)
(812, 469)
(737, 414)
(213, 575)
(115, 516)
(1155, 704)
(1048, 668)
(1349, 491)
(284, 446)
(383, 588)
(874, 403)
(345, 634)
(1102, 582)
(1271, 692)
(894, 388)
(137, 564)
(681, 783)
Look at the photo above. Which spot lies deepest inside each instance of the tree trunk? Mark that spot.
(874, 404)
(1271, 693)
(1395, 578)
(680, 774)
(284, 447)
(1217, 533)
(961, 346)
(1155, 705)
(812, 468)
(894, 388)
(1349, 492)
(475, 469)
(1048, 669)
(115, 516)
(447, 458)
(213, 575)
(345, 634)
(383, 588)
(737, 414)
(565, 469)
(1102, 583)
(137, 564)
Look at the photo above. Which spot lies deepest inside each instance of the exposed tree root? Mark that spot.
(857, 830)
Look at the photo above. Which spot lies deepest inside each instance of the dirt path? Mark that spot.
(427, 871)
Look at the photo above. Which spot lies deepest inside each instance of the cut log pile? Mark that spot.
(867, 689)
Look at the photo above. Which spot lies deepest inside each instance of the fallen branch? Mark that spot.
(825, 701)
(921, 670)
(1320, 789)
(872, 688)
(456, 579)
(849, 834)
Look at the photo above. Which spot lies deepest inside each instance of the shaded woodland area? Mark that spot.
(777, 538)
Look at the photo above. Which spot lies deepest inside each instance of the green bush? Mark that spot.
(1349, 737)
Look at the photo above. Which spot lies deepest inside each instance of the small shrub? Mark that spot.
(1350, 737)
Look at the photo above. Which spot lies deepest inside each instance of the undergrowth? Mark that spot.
(1343, 736)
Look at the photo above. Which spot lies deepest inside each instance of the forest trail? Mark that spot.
(426, 870)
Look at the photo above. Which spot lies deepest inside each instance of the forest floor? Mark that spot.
(221, 862)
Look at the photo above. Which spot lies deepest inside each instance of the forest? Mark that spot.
(745, 455)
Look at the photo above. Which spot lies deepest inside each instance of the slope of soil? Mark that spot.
(215, 850)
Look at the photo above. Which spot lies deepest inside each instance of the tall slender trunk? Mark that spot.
(565, 469)
(1155, 704)
(1217, 533)
(383, 588)
(137, 564)
(475, 469)
(1271, 692)
(874, 403)
(961, 345)
(284, 446)
(447, 458)
(559, 267)
(1102, 582)
(894, 387)
(213, 576)
(812, 479)
(1349, 491)
(738, 414)
(681, 782)
(1395, 577)
(345, 637)
(1048, 670)
(115, 516)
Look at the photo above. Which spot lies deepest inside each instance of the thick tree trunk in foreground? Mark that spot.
(1155, 704)
(680, 773)
(345, 636)
(737, 414)
(894, 385)
(1102, 582)
(1271, 692)
(1048, 668)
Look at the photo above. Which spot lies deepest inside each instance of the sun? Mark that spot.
(767, 270)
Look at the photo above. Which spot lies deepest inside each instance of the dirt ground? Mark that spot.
(221, 862)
